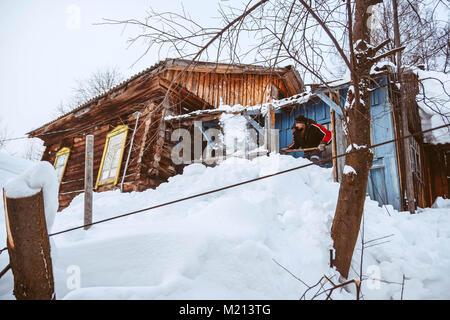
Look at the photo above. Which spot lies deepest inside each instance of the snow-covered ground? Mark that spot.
(230, 245)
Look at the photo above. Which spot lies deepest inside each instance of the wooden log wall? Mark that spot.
(150, 162)
(72, 182)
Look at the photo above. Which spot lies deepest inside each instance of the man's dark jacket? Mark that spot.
(315, 134)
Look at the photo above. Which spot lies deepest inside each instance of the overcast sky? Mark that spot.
(46, 44)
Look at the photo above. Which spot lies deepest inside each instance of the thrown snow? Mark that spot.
(40, 176)
(224, 245)
(235, 134)
(434, 102)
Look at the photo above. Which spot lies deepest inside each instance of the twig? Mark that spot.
(403, 287)
(5, 270)
(297, 278)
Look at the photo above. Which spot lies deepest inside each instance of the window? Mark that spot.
(112, 156)
(61, 162)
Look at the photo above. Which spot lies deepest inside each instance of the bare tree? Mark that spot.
(312, 35)
(95, 84)
(424, 35)
(33, 149)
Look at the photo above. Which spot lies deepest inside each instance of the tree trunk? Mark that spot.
(352, 192)
(29, 248)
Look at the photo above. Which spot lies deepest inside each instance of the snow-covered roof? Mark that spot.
(176, 63)
(434, 104)
(261, 108)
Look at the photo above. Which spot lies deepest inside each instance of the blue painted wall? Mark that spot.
(314, 109)
(383, 184)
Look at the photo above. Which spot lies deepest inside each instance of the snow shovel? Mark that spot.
(297, 150)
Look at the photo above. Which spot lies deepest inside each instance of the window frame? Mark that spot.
(61, 152)
(116, 131)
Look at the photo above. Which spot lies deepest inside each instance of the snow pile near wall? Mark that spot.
(434, 103)
(441, 203)
(230, 244)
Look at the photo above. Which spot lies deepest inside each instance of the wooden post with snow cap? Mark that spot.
(88, 180)
(29, 247)
(271, 137)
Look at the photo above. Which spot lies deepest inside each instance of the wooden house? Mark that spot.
(131, 138)
(132, 125)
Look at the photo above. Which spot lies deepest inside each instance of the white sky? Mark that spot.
(43, 50)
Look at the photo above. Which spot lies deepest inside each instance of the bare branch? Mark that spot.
(338, 47)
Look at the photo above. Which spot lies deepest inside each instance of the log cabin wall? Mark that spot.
(72, 182)
(150, 163)
(437, 171)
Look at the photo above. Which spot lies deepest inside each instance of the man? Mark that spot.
(307, 133)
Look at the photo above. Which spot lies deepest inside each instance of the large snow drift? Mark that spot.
(230, 245)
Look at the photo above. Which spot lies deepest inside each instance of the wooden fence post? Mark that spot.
(29, 247)
(271, 137)
(88, 180)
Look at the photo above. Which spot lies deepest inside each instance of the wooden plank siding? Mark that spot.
(437, 171)
(245, 89)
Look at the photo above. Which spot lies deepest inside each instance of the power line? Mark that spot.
(76, 129)
(38, 135)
